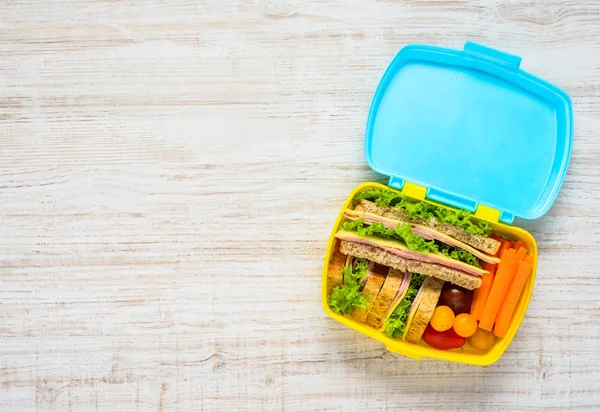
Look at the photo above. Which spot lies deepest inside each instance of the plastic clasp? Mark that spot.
(487, 213)
(494, 56)
(451, 199)
(492, 215)
(415, 191)
(396, 183)
(507, 217)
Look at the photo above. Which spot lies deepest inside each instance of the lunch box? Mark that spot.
(466, 129)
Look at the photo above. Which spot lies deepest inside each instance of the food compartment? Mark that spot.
(391, 264)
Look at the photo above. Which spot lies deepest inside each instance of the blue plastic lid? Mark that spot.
(472, 128)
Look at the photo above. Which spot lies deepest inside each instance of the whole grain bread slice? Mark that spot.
(370, 291)
(386, 258)
(480, 242)
(337, 261)
(427, 304)
(386, 295)
(385, 211)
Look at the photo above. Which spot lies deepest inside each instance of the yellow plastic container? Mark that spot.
(466, 354)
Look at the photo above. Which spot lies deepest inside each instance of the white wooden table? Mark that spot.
(169, 175)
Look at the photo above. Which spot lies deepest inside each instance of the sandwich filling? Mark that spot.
(414, 306)
(396, 323)
(462, 251)
(406, 278)
(459, 225)
(401, 249)
(344, 298)
(423, 211)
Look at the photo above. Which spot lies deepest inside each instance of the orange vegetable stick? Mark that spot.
(480, 295)
(529, 259)
(503, 247)
(522, 252)
(519, 244)
(502, 281)
(512, 297)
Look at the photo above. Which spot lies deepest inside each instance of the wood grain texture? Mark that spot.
(169, 175)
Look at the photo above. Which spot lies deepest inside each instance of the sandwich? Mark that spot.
(399, 304)
(360, 288)
(454, 223)
(372, 284)
(387, 228)
(384, 299)
(352, 286)
(412, 308)
(337, 262)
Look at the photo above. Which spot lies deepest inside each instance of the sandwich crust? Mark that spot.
(386, 258)
(480, 242)
(483, 243)
(386, 295)
(337, 261)
(370, 291)
(428, 302)
(385, 211)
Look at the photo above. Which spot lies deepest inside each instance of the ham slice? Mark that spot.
(415, 305)
(369, 270)
(399, 296)
(401, 250)
(351, 262)
(403, 286)
(428, 233)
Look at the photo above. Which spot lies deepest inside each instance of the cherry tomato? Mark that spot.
(442, 318)
(482, 339)
(457, 298)
(442, 340)
(465, 325)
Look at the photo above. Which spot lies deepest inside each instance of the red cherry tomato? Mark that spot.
(443, 340)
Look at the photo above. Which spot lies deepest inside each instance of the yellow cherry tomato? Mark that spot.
(465, 325)
(442, 318)
(482, 339)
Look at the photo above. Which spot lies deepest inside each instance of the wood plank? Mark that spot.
(169, 175)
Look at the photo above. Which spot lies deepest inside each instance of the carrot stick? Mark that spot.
(519, 244)
(522, 252)
(480, 295)
(502, 280)
(529, 259)
(503, 247)
(512, 297)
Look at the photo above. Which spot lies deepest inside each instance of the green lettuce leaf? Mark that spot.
(459, 254)
(346, 297)
(380, 197)
(402, 232)
(414, 242)
(419, 210)
(396, 323)
(355, 277)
